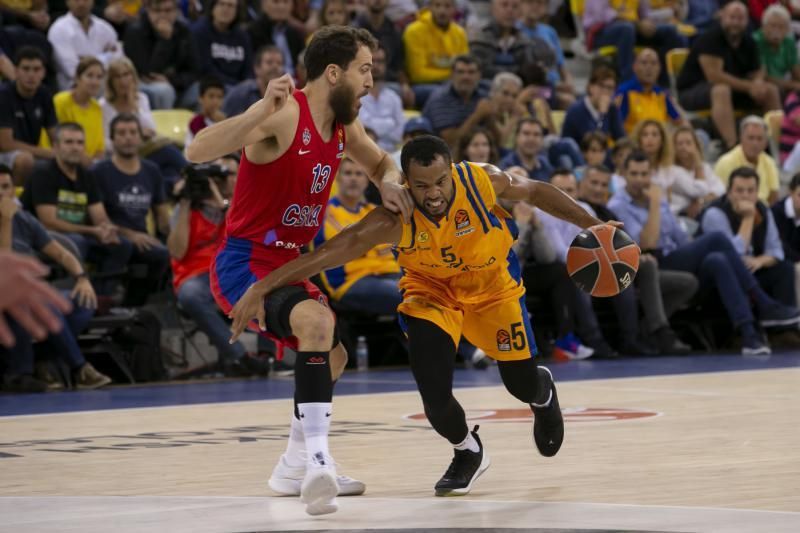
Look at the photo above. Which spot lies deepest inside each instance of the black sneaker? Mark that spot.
(548, 423)
(463, 471)
(24, 383)
(668, 343)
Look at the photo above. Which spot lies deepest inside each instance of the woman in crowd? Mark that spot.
(477, 146)
(651, 137)
(80, 105)
(695, 182)
(222, 45)
(594, 148)
(123, 96)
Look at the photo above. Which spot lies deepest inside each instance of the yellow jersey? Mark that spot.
(378, 261)
(474, 237)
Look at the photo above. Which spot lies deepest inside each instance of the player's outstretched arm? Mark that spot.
(546, 197)
(378, 227)
(260, 121)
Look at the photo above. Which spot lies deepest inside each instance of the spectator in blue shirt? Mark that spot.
(596, 110)
(711, 257)
(559, 78)
(751, 228)
(132, 188)
(454, 109)
(701, 13)
(527, 154)
(222, 46)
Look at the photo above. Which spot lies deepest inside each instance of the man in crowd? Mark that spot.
(787, 218)
(381, 109)
(527, 155)
(723, 73)
(272, 28)
(22, 233)
(132, 188)
(267, 65)
(26, 108)
(65, 198)
(751, 152)
(79, 34)
(751, 228)
(595, 111)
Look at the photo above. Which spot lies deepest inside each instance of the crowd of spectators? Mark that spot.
(681, 155)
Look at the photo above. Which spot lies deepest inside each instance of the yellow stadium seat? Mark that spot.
(18, 191)
(173, 124)
(411, 113)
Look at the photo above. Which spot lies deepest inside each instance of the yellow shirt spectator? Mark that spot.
(377, 262)
(431, 45)
(767, 170)
(89, 117)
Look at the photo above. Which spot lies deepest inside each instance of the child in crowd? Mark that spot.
(212, 93)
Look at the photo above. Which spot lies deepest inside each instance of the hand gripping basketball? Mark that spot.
(603, 260)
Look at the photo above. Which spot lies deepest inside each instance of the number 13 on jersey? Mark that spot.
(322, 175)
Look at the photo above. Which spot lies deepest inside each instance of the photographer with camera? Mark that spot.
(131, 188)
(198, 226)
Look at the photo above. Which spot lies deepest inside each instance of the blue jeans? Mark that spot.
(20, 358)
(195, 299)
(376, 295)
(712, 258)
(160, 93)
(107, 257)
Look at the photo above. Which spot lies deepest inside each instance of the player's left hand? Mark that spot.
(616, 224)
(250, 306)
(397, 199)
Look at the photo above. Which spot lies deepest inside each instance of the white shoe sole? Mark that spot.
(291, 487)
(319, 493)
(485, 463)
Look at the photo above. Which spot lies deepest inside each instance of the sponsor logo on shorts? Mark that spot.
(306, 136)
(503, 340)
(315, 360)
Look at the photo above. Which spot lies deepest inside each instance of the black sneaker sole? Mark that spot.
(485, 463)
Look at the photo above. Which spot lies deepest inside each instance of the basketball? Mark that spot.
(603, 260)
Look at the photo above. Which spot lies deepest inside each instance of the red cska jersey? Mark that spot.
(281, 205)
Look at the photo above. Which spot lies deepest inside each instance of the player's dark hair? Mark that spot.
(637, 156)
(335, 45)
(423, 150)
(29, 53)
(745, 173)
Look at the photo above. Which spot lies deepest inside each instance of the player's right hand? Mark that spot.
(250, 306)
(278, 91)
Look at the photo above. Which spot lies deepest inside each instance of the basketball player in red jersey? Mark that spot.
(293, 143)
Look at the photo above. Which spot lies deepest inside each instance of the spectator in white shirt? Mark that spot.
(651, 137)
(78, 34)
(695, 182)
(382, 109)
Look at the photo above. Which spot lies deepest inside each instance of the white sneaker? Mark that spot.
(319, 488)
(286, 481)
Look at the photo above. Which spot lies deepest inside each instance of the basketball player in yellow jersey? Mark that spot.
(460, 276)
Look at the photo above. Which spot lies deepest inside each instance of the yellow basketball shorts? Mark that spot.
(489, 311)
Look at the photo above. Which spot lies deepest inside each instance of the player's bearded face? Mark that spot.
(344, 102)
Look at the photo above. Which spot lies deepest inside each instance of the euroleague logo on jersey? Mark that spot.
(571, 414)
(503, 340)
(463, 223)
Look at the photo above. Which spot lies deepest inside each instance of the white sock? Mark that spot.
(468, 444)
(316, 421)
(295, 455)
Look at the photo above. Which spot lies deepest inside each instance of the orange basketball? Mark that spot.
(603, 260)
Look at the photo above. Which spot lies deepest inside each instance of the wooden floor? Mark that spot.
(677, 453)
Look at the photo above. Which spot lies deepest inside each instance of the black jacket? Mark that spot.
(790, 234)
(151, 54)
(260, 31)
